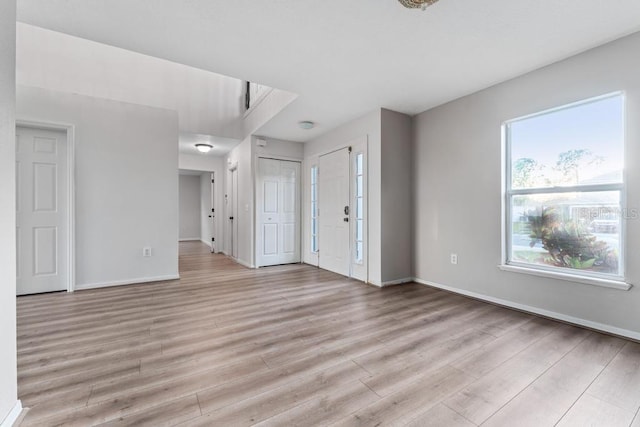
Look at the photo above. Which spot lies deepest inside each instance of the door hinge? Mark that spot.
(213, 181)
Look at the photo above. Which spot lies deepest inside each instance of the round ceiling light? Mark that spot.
(204, 148)
(306, 125)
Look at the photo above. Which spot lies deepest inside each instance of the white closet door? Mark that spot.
(41, 211)
(278, 213)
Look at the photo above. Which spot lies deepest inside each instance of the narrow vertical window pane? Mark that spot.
(314, 209)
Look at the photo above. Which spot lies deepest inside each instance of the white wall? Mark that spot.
(389, 137)
(189, 214)
(206, 224)
(243, 157)
(396, 201)
(207, 103)
(126, 184)
(8, 374)
(457, 173)
(287, 150)
(269, 106)
(367, 126)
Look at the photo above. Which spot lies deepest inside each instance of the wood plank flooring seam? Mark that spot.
(454, 410)
(535, 379)
(587, 388)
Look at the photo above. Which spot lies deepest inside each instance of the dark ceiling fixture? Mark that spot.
(415, 4)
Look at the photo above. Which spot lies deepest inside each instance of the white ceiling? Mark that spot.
(221, 146)
(347, 57)
(206, 102)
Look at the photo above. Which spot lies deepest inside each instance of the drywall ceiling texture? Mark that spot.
(8, 374)
(457, 175)
(207, 103)
(346, 58)
(126, 184)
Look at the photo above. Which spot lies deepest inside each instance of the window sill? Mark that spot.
(613, 284)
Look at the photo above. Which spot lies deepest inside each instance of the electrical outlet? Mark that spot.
(454, 258)
(146, 251)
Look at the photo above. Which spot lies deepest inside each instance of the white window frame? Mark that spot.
(593, 278)
(358, 216)
(313, 191)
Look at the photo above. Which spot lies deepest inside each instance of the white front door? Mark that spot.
(278, 215)
(334, 242)
(41, 211)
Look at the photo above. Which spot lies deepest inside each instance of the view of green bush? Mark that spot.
(568, 243)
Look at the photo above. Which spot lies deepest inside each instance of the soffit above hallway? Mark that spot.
(346, 58)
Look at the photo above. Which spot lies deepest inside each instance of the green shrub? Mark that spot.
(569, 243)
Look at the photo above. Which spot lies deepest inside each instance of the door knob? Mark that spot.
(231, 218)
(346, 219)
(346, 210)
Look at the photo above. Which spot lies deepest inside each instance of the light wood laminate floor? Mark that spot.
(298, 346)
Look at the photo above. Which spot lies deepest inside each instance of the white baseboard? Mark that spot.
(390, 282)
(397, 282)
(13, 415)
(126, 282)
(206, 243)
(535, 310)
(243, 263)
(189, 239)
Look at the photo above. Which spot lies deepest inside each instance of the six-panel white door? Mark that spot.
(278, 213)
(41, 211)
(334, 215)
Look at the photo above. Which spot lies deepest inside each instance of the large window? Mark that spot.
(565, 189)
(314, 208)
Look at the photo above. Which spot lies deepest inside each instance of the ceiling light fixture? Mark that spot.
(306, 125)
(414, 4)
(204, 148)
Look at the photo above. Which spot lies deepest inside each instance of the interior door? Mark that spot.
(212, 214)
(278, 215)
(333, 203)
(233, 218)
(41, 211)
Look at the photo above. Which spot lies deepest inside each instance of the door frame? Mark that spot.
(231, 208)
(255, 202)
(71, 184)
(309, 258)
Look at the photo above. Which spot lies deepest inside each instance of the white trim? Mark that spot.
(210, 244)
(127, 282)
(13, 415)
(190, 239)
(241, 262)
(258, 101)
(70, 130)
(300, 194)
(392, 282)
(613, 284)
(535, 310)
